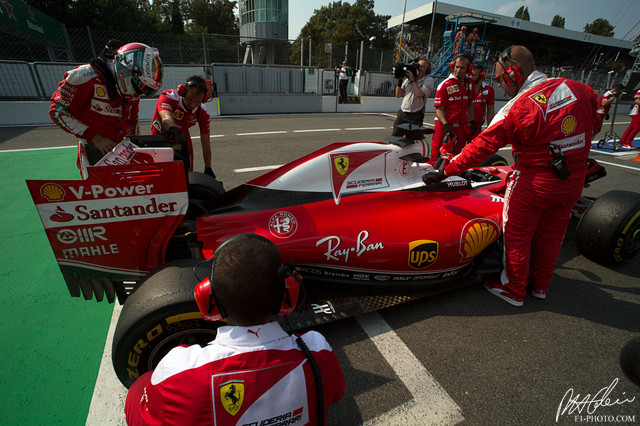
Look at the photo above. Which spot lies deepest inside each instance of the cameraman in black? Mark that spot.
(413, 88)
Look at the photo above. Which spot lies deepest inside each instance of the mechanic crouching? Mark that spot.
(253, 372)
(550, 124)
(179, 109)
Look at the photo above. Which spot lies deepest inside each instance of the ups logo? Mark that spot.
(422, 253)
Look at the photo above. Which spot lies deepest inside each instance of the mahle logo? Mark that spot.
(422, 253)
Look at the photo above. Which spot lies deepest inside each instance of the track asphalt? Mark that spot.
(39, 313)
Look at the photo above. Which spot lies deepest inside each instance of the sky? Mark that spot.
(622, 14)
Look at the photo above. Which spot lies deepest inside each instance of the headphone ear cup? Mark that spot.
(453, 63)
(181, 89)
(290, 294)
(470, 69)
(206, 301)
(482, 75)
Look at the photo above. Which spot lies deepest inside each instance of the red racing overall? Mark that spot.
(537, 202)
(452, 94)
(170, 101)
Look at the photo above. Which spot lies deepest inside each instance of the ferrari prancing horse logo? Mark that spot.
(342, 164)
(232, 396)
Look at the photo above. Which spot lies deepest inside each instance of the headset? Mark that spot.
(513, 75)
(482, 74)
(182, 89)
(212, 310)
(462, 55)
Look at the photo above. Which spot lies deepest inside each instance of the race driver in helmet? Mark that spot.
(98, 102)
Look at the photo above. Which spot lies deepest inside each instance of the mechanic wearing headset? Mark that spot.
(550, 123)
(179, 109)
(607, 98)
(484, 99)
(454, 111)
(253, 371)
(414, 90)
(98, 102)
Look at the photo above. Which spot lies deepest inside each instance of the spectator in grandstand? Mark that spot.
(607, 98)
(253, 372)
(414, 89)
(98, 102)
(179, 109)
(483, 98)
(343, 81)
(634, 126)
(550, 124)
(454, 109)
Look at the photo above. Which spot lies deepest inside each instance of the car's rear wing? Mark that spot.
(112, 227)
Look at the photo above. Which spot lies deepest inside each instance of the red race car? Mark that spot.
(354, 219)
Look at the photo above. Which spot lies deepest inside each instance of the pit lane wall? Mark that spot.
(36, 113)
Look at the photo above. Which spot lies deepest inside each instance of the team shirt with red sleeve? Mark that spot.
(604, 109)
(636, 107)
(246, 376)
(554, 111)
(81, 106)
(484, 97)
(170, 101)
(453, 96)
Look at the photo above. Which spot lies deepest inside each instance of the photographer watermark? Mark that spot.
(583, 409)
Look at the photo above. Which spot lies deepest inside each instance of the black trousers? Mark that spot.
(343, 91)
(407, 117)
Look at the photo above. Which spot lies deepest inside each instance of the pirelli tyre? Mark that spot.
(494, 160)
(203, 189)
(159, 315)
(609, 230)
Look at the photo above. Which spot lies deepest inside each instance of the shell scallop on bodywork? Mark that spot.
(52, 192)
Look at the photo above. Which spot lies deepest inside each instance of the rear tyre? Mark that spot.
(494, 160)
(609, 230)
(203, 190)
(601, 143)
(159, 315)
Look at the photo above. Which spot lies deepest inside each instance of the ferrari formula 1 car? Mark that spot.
(354, 219)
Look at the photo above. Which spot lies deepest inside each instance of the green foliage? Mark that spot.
(340, 22)
(601, 27)
(557, 21)
(522, 13)
(212, 16)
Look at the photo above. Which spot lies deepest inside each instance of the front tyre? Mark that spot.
(159, 315)
(609, 231)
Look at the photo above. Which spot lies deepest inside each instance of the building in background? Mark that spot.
(264, 24)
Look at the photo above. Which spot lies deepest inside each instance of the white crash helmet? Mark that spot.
(138, 70)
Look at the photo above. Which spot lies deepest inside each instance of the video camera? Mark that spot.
(400, 68)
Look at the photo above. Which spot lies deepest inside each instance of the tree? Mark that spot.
(522, 13)
(341, 22)
(212, 16)
(601, 27)
(557, 21)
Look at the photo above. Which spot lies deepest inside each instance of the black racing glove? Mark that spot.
(474, 128)
(209, 171)
(448, 130)
(433, 177)
(172, 132)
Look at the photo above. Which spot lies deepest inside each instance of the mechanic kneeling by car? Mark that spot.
(253, 372)
(550, 124)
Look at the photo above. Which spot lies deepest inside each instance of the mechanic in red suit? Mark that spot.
(179, 109)
(484, 99)
(634, 126)
(549, 121)
(98, 102)
(253, 372)
(605, 101)
(454, 111)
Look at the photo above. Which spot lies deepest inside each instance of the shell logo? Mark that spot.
(477, 235)
(100, 92)
(569, 125)
(52, 192)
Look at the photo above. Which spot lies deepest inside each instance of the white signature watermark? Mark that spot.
(584, 407)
